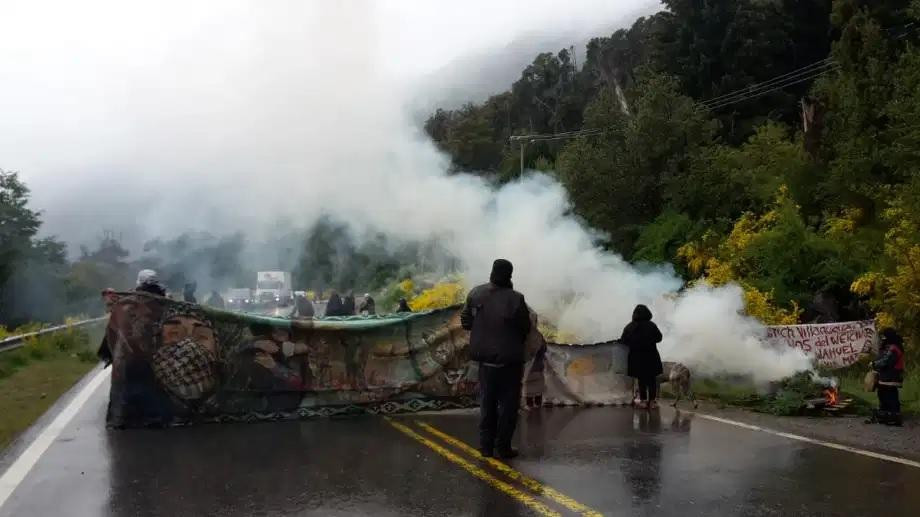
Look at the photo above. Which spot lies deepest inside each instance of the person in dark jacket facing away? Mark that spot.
(498, 320)
(348, 305)
(644, 363)
(188, 293)
(303, 307)
(403, 306)
(334, 306)
(890, 368)
(147, 282)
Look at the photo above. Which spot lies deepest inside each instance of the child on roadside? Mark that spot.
(890, 368)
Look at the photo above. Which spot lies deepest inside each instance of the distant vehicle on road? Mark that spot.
(239, 298)
(274, 286)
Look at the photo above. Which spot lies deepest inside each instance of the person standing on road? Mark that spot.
(498, 320)
(890, 368)
(644, 362)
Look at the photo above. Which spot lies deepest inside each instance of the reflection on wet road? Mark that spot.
(589, 461)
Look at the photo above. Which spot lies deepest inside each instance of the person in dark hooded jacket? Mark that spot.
(334, 306)
(348, 305)
(403, 306)
(498, 320)
(644, 363)
(890, 368)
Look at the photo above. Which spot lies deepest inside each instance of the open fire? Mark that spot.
(832, 395)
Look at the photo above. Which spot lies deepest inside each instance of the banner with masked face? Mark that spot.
(177, 362)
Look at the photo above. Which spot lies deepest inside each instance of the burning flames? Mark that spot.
(832, 396)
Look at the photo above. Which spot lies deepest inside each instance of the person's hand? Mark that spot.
(265, 361)
(267, 346)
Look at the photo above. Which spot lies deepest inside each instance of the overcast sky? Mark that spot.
(151, 118)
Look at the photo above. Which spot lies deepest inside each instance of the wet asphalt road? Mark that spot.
(606, 459)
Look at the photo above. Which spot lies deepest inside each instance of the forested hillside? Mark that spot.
(773, 143)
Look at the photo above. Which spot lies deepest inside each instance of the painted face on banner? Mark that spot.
(184, 326)
(185, 361)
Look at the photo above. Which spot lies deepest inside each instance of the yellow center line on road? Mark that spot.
(530, 483)
(529, 501)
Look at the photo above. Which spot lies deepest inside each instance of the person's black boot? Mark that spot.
(486, 452)
(894, 419)
(507, 454)
(873, 419)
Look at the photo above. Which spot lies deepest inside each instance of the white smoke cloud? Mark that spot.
(170, 117)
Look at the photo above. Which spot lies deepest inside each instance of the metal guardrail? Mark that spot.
(14, 342)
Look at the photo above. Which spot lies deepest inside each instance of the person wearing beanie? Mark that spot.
(147, 282)
(498, 320)
(890, 368)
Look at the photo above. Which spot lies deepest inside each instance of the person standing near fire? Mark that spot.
(890, 368)
(498, 320)
(642, 336)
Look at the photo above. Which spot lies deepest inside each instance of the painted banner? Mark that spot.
(176, 363)
(830, 345)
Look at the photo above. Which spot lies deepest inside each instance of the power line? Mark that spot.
(764, 92)
(785, 79)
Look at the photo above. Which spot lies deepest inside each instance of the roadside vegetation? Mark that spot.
(35, 375)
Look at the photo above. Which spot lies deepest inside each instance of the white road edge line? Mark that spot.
(830, 445)
(30, 456)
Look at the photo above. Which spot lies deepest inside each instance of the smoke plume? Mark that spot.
(181, 117)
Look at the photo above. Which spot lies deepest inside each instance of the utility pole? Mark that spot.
(522, 142)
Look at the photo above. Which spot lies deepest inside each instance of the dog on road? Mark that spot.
(678, 376)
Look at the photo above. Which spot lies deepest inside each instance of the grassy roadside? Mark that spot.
(789, 399)
(34, 376)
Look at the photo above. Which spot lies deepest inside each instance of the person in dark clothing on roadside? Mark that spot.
(644, 362)
(304, 307)
(890, 368)
(188, 293)
(368, 305)
(348, 305)
(216, 300)
(498, 320)
(147, 282)
(403, 306)
(334, 305)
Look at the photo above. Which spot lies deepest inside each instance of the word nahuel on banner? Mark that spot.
(830, 345)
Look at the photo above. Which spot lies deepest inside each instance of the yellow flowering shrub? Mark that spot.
(443, 294)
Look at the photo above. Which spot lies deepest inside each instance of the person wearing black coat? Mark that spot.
(644, 364)
(348, 305)
(334, 306)
(890, 368)
(403, 306)
(498, 320)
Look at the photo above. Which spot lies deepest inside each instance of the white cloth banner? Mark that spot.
(830, 345)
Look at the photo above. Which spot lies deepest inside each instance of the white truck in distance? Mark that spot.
(274, 287)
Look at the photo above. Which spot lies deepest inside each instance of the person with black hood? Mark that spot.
(216, 300)
(188, 293)
(890, 368)
(334, 306)
(644, 362)
(303, 307)
(403, 306)
(498, 320)
(348, 305)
